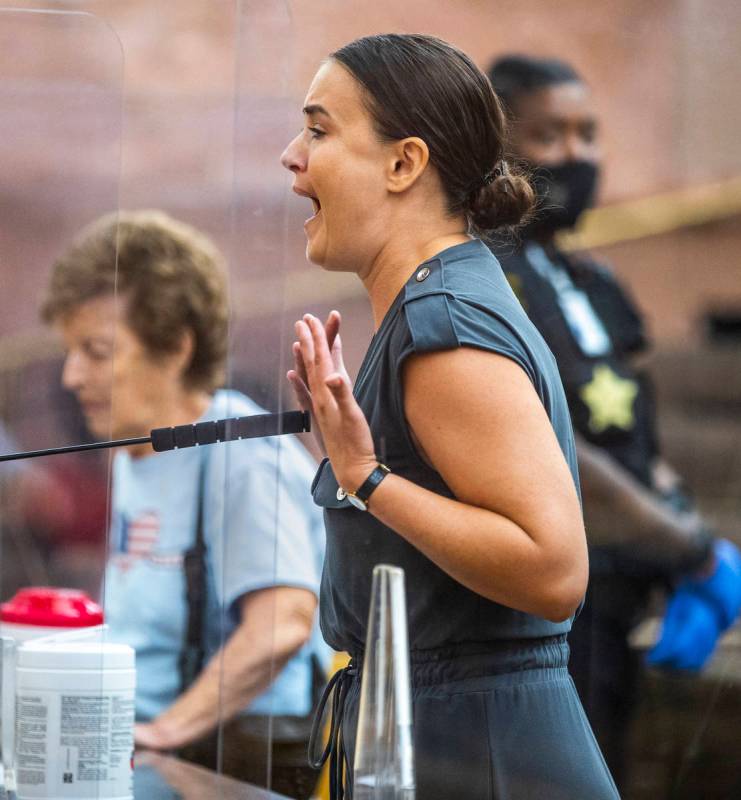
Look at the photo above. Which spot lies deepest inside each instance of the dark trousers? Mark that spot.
(606, 671)
(504, 723)
(249, 753)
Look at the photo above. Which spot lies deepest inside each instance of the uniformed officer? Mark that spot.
(640, 523)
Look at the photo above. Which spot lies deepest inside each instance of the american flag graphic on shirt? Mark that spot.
(137, 538)
(141, 534)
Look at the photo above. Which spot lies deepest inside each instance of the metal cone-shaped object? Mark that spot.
(384, 752)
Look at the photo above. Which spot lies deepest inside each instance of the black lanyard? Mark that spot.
(194, 566)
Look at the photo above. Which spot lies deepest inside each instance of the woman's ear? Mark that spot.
(409, 159)
(181, 358)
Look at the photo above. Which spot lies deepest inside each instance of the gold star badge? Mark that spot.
(609, 399)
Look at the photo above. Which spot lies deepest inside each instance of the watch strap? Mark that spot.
(369, 485)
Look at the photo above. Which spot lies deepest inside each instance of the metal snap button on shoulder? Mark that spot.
(341, 494)
(423, 274)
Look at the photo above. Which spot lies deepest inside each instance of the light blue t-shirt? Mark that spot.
(261, 529)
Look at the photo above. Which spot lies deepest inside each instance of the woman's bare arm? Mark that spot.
(515, 533)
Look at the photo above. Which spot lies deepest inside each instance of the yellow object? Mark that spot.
(660, 213)
(610, 400)
(340, 661)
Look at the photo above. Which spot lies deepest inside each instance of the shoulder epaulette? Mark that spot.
(427, 309)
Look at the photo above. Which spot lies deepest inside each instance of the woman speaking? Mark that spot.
(453, 455)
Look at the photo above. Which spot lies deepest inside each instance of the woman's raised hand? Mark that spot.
(299, 380)
(323, 387)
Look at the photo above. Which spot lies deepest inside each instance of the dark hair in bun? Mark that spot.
(422, 86)
(506, 200)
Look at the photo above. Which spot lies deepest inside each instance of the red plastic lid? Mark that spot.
(51, 608)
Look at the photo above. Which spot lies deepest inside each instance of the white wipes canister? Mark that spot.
(74, 720)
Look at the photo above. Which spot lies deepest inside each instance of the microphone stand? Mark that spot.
(254, 426)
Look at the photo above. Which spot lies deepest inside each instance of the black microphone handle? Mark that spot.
(255, 426)
(220, 430)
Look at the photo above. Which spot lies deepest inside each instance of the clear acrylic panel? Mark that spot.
(61, 157)
(186, 110)
(61, 91)
(268, 280)
(195, 573)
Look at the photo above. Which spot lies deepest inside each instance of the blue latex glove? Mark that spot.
(699, 611)
(722, 589)
(689, 633)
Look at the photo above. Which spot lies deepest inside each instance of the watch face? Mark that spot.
(357, 502)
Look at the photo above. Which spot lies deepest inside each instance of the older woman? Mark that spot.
(140, 302)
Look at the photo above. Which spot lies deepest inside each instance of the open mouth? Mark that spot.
(316, 204)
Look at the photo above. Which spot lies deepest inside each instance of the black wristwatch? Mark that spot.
(361, 496)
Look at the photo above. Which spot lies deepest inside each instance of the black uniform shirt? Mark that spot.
(593, 330)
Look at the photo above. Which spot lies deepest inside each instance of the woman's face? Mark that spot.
(120, 386)
(340, 163)
(556, 124)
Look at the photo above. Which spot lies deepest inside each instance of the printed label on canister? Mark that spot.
(76, 745)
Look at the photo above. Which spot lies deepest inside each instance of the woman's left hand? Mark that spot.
(153, 736)
(343, 425)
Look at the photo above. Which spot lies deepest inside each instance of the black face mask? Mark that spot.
(563, 192)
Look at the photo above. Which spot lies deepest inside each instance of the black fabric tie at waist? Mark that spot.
(338, 687)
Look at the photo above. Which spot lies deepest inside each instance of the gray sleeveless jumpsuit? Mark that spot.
(496, 715)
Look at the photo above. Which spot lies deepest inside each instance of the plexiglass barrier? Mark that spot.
(114, 107)
(61, 76)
